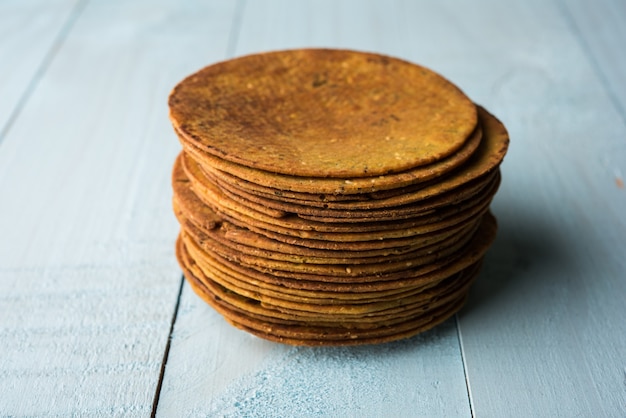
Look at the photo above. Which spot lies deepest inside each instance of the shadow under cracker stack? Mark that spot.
(332, 197)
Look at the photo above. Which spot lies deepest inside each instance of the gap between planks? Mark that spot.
(166, 352)
(595, 65)
(235, 29)
(233, 38)
(462, 352)
(79, 6)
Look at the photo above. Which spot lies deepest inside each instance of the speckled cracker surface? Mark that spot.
(332, 197)
(322, 113)
(486, 154)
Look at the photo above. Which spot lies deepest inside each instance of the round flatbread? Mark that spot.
(322, 113)
(332, 197)
(482, 160)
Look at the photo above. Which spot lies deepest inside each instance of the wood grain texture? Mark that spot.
(600, 28)
(230, 373)
(88, 279)
(543, 334)
(30, 31)
(217, 370)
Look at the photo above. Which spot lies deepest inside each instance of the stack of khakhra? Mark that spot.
(332, 197)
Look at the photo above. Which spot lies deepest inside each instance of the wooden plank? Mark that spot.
(600, 27)
(29, 32)
(88, 279)
(216, 370)
(544, 334)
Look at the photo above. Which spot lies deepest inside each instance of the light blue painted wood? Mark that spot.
(88, 278)
(218, 371)
(234, 374)
(544, 334)
(600, 27)
(29, 32)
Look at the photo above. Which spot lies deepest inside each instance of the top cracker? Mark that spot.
(322, 113)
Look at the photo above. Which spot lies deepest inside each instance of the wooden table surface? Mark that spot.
(95, 319)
